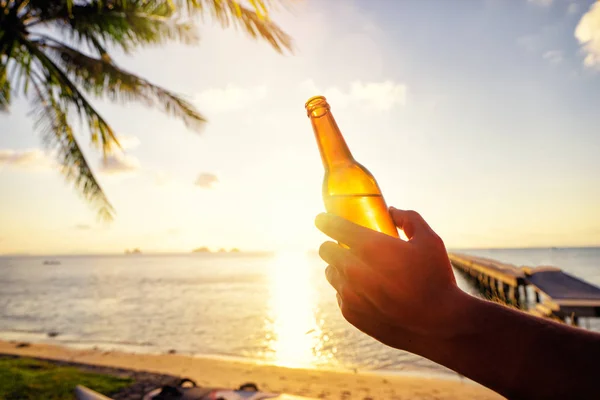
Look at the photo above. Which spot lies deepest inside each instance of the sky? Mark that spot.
(481, 115)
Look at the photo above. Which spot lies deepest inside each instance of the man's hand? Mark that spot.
(403, 293)
(389, 288)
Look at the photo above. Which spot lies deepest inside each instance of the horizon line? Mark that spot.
(264, 252)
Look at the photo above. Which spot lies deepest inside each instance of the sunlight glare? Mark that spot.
(295, 332)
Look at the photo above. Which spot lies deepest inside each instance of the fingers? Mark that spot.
(354, 281)
(345, 293)
(334, 277)
(350, 267)
(369, 323)
(344, 268)
(410, 222)
(365, 322)
(341, 229)
(334, 254)
(357, 237)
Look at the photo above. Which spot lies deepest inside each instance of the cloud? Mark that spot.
(128, 142)
(83, 227)
(541, 3)
(206, 180)
(588, 35)
(29, 159)
(119, 164)
(381, 96)
(573, 8)
(229, 98)
(553, 56)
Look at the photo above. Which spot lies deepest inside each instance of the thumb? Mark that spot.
(409, 221)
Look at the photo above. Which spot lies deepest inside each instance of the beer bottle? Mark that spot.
(349, 189)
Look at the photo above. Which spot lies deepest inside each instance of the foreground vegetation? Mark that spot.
(25, 379)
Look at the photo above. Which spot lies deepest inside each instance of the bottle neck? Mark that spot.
(332, 146)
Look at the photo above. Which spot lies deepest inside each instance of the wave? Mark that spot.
(67, 338)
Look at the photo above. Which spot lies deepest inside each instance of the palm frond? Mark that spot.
(101, 78)
(4, 89)
(128, 24)
(4, 82)
(252, 20)
(6, 49)
(101, 132)
(125, 24)
(52, 121)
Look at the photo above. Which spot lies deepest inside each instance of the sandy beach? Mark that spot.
(302, 382)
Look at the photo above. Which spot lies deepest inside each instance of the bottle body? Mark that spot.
(352, 192)
(349, 189)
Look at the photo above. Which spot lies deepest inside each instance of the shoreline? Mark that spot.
(215, 372)
(42, 337)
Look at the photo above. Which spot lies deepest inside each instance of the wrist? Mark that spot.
(456, 323)
(457, 313)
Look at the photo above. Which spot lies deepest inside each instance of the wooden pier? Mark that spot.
(554, 293)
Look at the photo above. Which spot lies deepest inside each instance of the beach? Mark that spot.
(315, 383)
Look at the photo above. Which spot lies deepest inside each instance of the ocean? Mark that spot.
(272, 308)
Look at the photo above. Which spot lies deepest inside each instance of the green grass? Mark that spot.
(25, 379)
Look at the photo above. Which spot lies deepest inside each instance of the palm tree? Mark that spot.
(57, 54)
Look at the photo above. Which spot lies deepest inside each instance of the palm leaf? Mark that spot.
(254, 21)
(4, 88)
(101, 77)
(52, 121)
(123, 24)
(100, 131)
(128, 24)
(6, 50)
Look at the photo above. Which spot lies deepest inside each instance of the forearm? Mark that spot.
(517, 355)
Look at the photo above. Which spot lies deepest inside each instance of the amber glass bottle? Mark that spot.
(349, 189)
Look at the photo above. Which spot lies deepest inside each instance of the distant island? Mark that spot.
(221, 250)
(134, 251)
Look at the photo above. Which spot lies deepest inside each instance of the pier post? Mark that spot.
(498, 286)
(517, 296)
(509, 294)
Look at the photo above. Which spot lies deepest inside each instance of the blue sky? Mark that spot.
(482, 115)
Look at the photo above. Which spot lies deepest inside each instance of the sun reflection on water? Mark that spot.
(296, 335)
